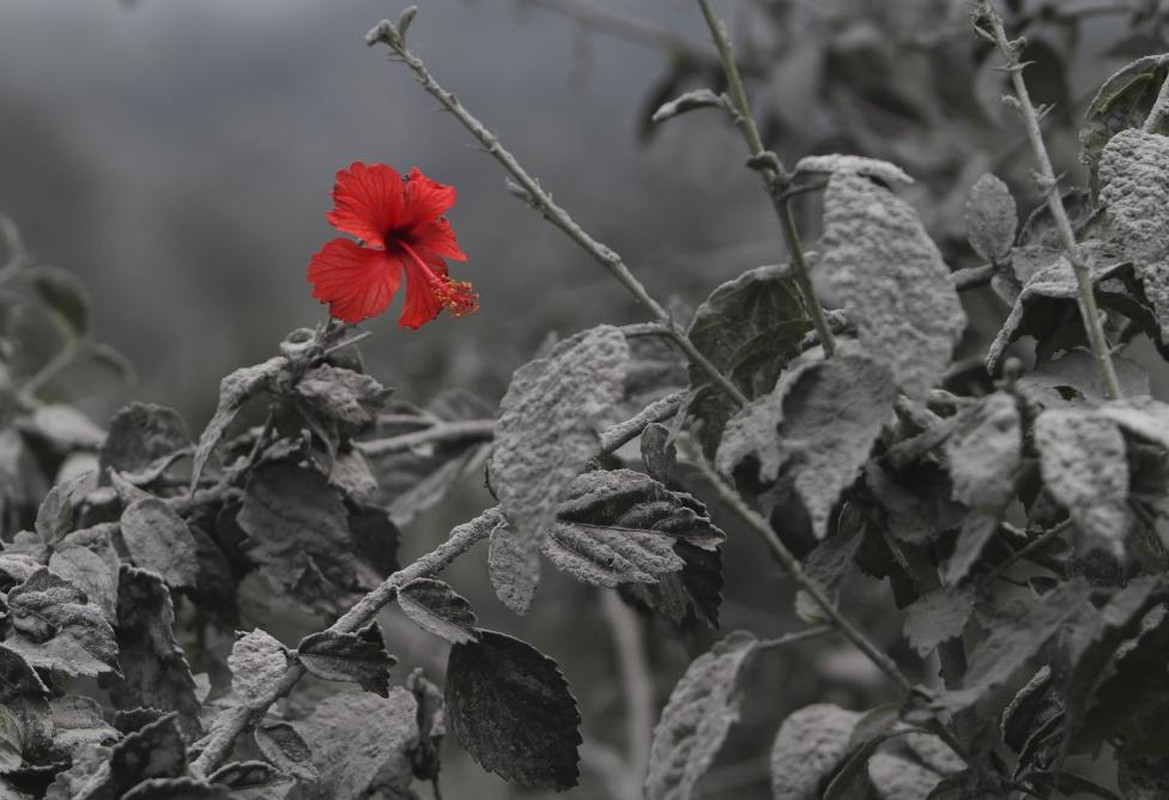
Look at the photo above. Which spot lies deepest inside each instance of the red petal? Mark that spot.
(438, 238)
(356, 282)
(368, 201)
(421, 305)
(426, 199)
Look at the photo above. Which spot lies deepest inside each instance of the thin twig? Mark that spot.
(796, 636)
(1034, 545)
(612, 438)
(530, 190)
(636, 682)
(971, 277)
(775, 178)
(473, 429)
(232, 722)
(1049, 184)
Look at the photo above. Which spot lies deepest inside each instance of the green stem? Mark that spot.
(1049, 184)
(775, 178)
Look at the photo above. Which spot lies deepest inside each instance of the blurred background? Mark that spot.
(178, 157)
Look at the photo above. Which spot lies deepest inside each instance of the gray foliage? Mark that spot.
(257, 662)
(157, 539)
(350, 398)
(359, 657)
(140, 434)
(514, 568)
(511, 709)
(701, 709)
(435, 607)
(811, 744)
(56, 627)
(891, 280)
(936, 617)
(547, 432)
(234, 389)
(991, 218)
(1083, 461)
(896, 778)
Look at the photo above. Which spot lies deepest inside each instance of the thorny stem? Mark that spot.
(535, 195)
(1049, 184)
(232, 722)
(775, 178)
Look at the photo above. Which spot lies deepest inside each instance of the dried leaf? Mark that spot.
(56, 627)
(140, 434)
(891, 280)
(658, 452)
(1122, 102)
(359, 657)
(157, 539)
(286, 749)
(1083, 461)
(685, 597)
(991, 218)
(701, 709)
(547, 433)
(820, 424)
(89, 572)
(155, 669)
(234, 389)
(510, 707)
(349, 398)
(435, 607)
(257, 663)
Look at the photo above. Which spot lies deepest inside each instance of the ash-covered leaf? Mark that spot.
(851, 781)
(244, 775)
(547, 430)
(234, 389)
(11, 741)
(352, 474)
(698, 98)
(286, 749)
(77, 722)
(257, 662)
(184, 788)
(693, 594)
(1032, 710)
(820, 424)
(154, 667)
(1122, 102)
(154, 751)
(56, 513)
(298, 533)
(514, 568)
(620, 526)
(1134, 178)
(1142, 417)
(694, 724)
(1083, 461)
(350, 398)
(435, 607)
(64, 293)
(1016, 635)
(94, 574)
(157, 539)
(1076, 374)
(811, 744)
(357, 737)
(991, 218)
(936, 617)
(891, 280)
(749, 329)
(896, 778)
(511, 709)
(140, 434)
(56, 627)
(359, 657)
(854, 165)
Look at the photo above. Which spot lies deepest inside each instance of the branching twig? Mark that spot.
(232, 722)
(1049, 184)
(530, 190)
(775, 178)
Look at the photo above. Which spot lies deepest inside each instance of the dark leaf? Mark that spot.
(510, 707)
(17, 677)
(435, 607)
(694, 724)
(851, 781)
(620, 526)
(690, 595)
(155, 751)
(284, 747)
(157, 539)
(155, 669)
(359, 657)
(431, 725)
(57, 628)
(991, 218)
(891, 280)
(749, 329)
(376, 537)
(1123, 101)
(1143, 778)
(347, 397)
(56, 512)
(547, 430)
(184, 788)
(140, 434)
(658, 452)
(820, 423)
(243, 774)
(357, 737)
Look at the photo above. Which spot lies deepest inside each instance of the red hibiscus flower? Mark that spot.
(400, 229)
